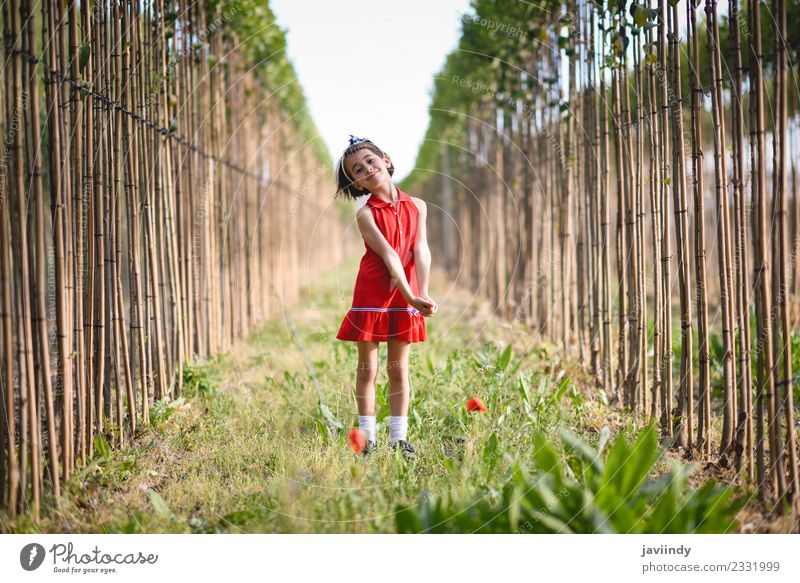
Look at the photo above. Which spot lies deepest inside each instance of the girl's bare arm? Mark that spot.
(422, 253)
(378, 243)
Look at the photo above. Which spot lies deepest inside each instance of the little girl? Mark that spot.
(391, 291)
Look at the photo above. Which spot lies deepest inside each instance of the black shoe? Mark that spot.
(369, 448)
(406, 448)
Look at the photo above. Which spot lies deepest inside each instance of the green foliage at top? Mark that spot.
(494, 42)
(502, 40)
(262, 43)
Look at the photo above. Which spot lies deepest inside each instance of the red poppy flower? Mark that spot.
(357, 439)
(475, 404)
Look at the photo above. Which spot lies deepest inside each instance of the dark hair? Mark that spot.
(344, 186)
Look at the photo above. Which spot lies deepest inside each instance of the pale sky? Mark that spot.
(367, 67)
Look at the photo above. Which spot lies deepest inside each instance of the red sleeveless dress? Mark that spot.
(379, 312)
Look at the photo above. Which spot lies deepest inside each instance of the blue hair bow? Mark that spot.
(355, 140)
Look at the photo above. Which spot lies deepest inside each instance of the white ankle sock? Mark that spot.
(367, 423)
(398, 428)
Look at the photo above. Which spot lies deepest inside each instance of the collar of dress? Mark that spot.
(378, 203)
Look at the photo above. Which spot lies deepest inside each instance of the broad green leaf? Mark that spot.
(605, 433)
(505, 358)
(553, 524)
(523, 388)
(580, 447)
(101, 446)
(640, 14)
(546, 458)
(329, 418)
(83, 56)
(160, 506)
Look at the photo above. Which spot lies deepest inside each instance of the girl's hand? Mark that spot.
(423, 305)
(435, 307)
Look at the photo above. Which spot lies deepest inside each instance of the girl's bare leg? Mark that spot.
(397, 368)
(366, 374)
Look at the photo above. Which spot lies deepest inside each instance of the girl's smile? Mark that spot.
(369, 172)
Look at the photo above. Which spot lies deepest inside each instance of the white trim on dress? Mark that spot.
(413, 310)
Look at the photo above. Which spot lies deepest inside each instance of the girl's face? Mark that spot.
(367, 169)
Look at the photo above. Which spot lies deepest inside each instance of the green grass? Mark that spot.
(258, 441)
